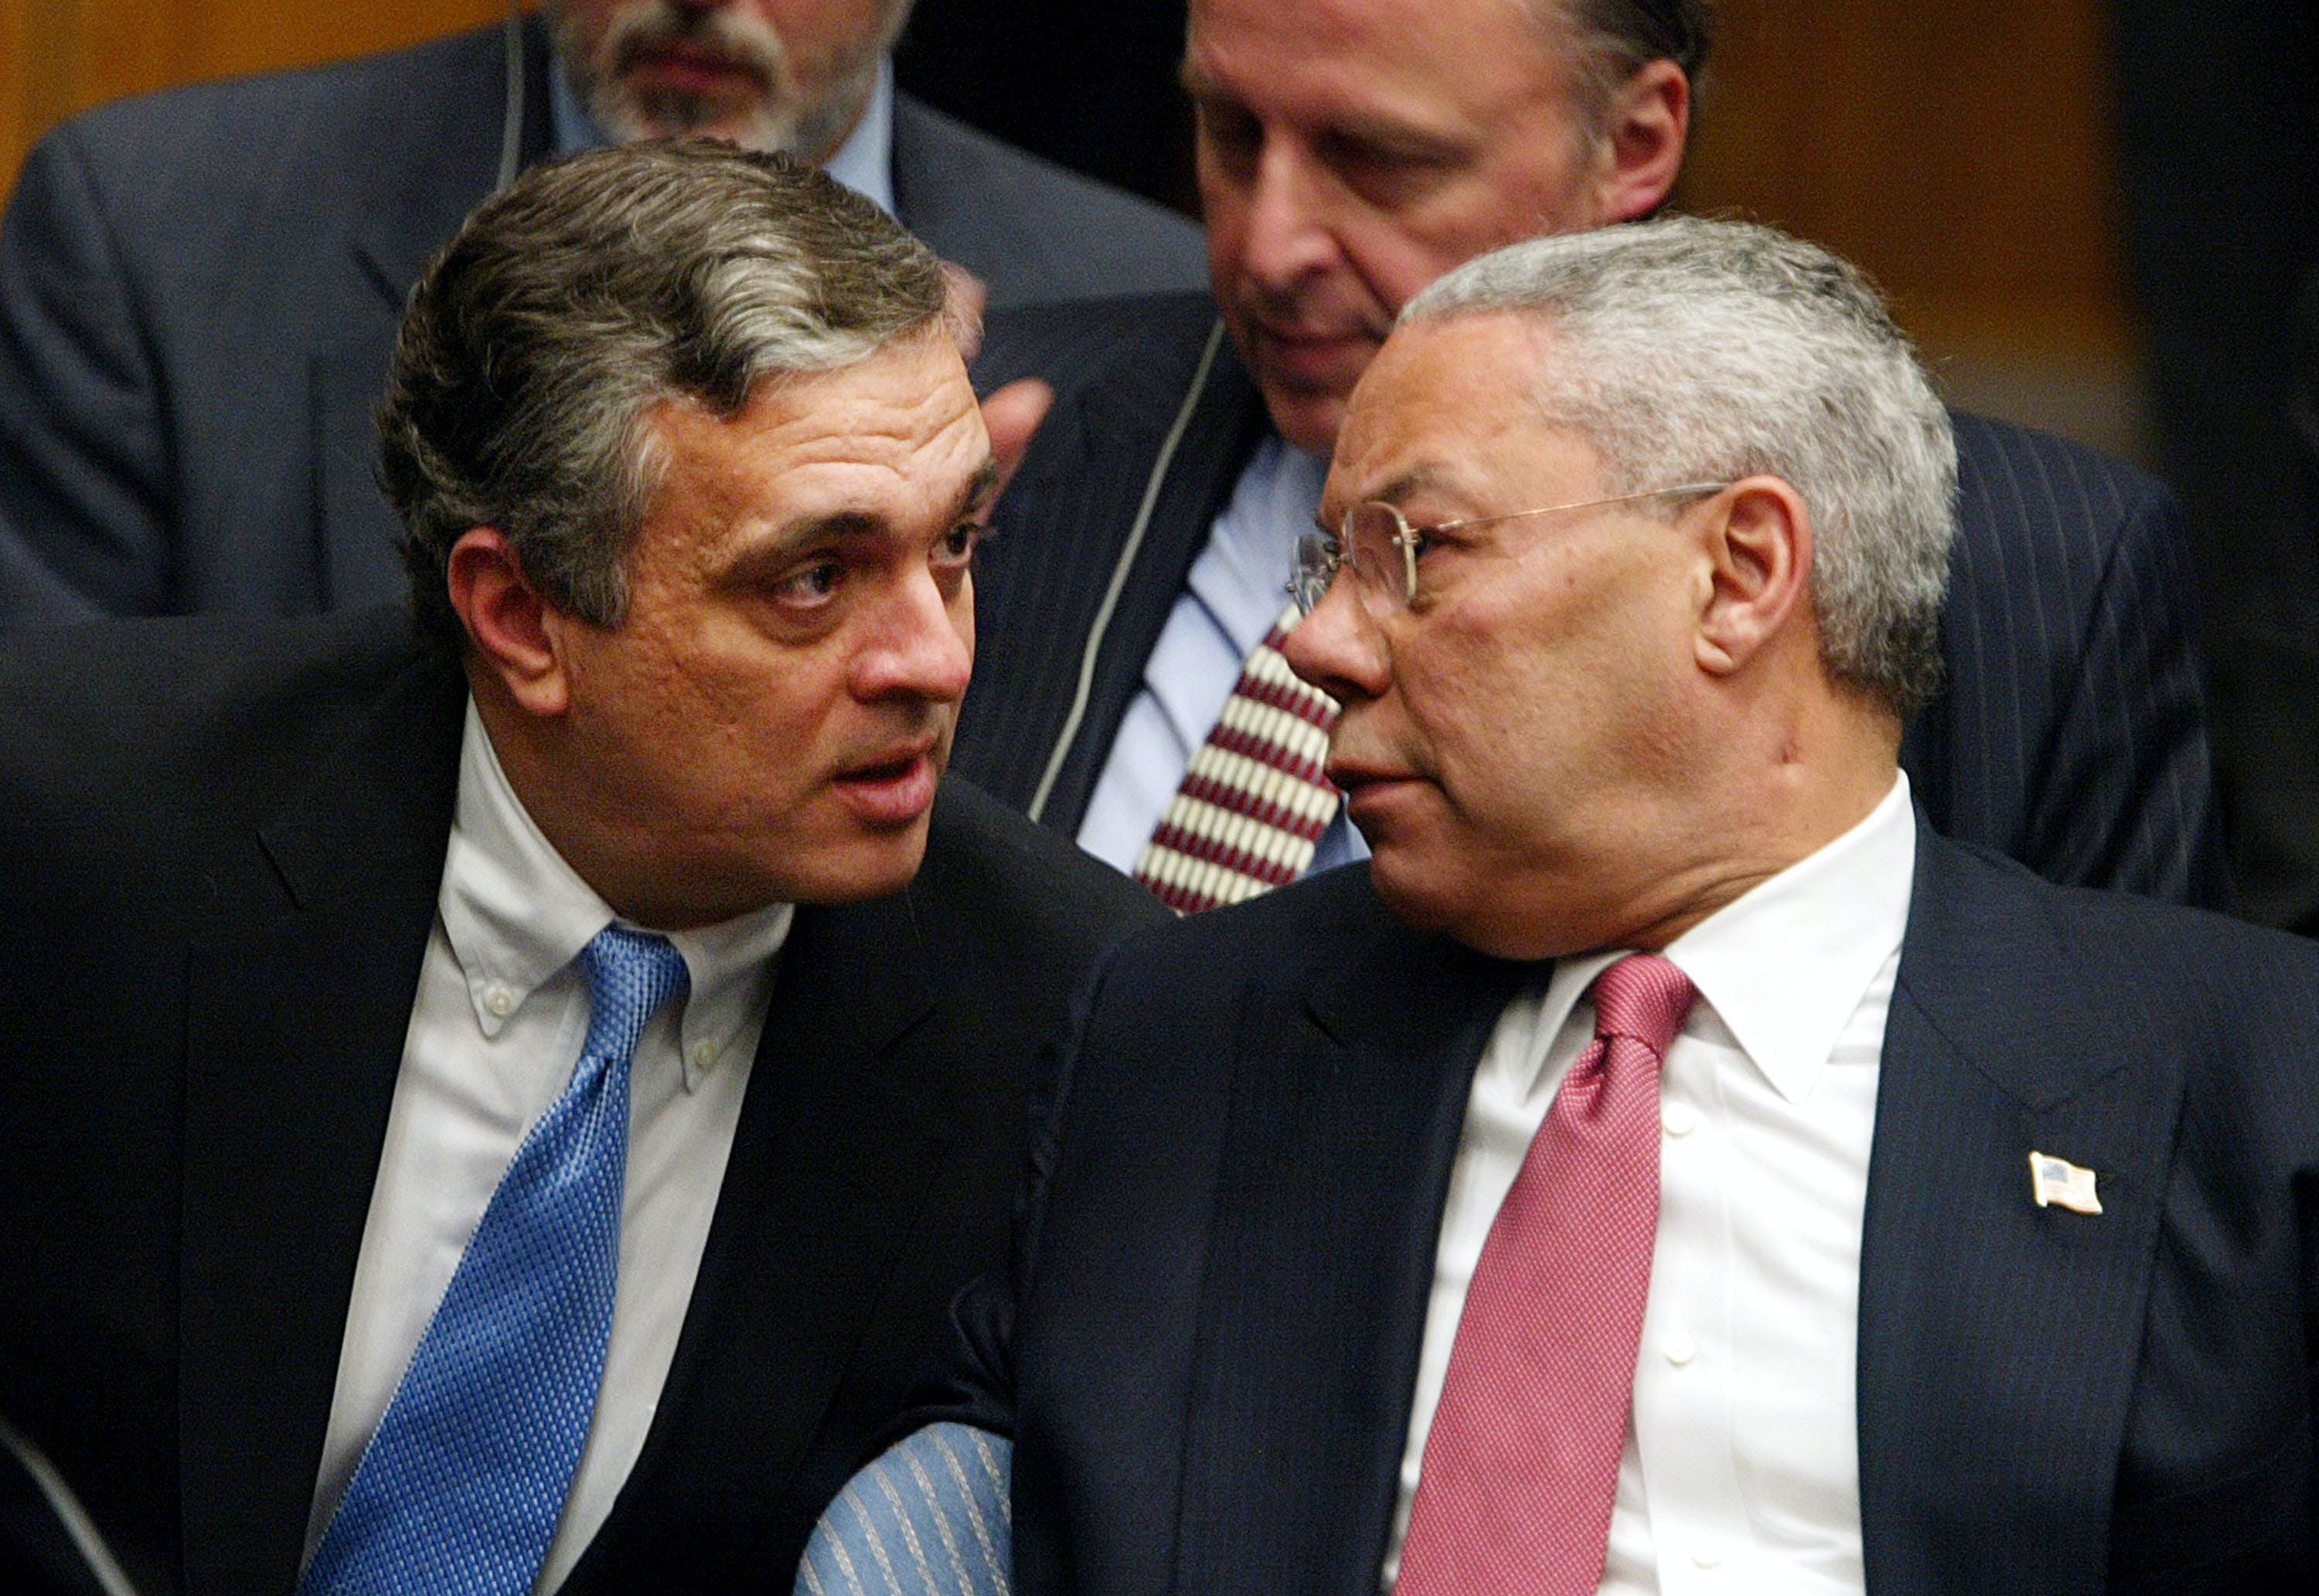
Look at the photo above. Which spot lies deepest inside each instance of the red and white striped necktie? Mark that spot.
(1254, 803)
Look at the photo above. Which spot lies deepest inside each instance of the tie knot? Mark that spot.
(630, 974)
(1643, 996)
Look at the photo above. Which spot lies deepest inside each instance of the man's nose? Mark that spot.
(1340, 648)
(1287, 237)
(923, 645)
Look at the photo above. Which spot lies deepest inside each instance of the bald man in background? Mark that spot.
(1668, 1166)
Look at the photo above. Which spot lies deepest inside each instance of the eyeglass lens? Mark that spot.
(1374, 543)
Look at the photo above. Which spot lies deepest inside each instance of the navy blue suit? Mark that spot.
(2070, 735)
(1206, 1348)
(221, 849)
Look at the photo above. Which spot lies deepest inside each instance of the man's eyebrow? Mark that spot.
(1351, 125)
(980, 489)
(974, 496)
(1415, 480)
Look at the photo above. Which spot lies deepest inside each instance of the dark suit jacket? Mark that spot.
(219, 851)
(2070, 732)
(199, 293)
(1207, 1350)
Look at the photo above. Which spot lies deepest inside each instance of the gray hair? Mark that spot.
(541, 340)
(1611, 41)
(1692, 350)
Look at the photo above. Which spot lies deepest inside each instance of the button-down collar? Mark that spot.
(517, 915)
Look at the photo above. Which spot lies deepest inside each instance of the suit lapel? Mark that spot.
(452, 137)
(1223, 429)
(294, 1029)
(1043, 592)
(827, 1172)
(1344, 1116)
(1997, 1339)
(447, 158)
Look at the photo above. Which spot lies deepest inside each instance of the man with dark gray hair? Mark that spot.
(1670, 1166)
(417, 1173)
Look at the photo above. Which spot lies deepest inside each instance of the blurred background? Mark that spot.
(2094, 216)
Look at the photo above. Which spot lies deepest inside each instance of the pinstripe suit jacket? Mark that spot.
(2070, 734)
(1207, 1350)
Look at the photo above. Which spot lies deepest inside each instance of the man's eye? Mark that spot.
(1383, 171)
(1232, 135)
(957, 545)
(810, 585)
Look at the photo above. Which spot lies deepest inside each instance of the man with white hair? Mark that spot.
(1670, 1166)
(198, 289)
(1350, 152)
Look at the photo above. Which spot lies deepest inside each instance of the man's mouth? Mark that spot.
(1318, 357)
(1368, 786)
(687, 65)
(893, 789)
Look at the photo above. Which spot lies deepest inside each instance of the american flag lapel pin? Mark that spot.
(2057, 1182)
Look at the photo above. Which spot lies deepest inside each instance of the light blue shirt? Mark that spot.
(1237, 588)
(864, 163)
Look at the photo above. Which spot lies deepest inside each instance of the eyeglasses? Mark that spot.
(1380, 545)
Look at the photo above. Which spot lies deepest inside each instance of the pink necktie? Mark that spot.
(1521, 1465)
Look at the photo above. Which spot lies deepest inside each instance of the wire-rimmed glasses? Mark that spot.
(1380, 545)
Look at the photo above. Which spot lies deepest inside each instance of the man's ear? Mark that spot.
(1644, 131)
(1759, 559)
(508, 621)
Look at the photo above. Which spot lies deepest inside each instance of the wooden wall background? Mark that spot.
(57, 57)
(1961, 151)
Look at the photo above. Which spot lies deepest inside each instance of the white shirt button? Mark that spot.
(1680, 1348)
(499, 999)
(1680, 1119)
(704, 1054)
(1707, 1557)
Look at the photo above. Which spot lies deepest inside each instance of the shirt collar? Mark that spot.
(517, 915)
(1242, 576)
(864, 163)
(1785, 964)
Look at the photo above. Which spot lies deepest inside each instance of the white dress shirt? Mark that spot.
(495, 1031)
(1234, 592)
(1741, 1468)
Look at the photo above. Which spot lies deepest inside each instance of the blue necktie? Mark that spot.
(463, 1479)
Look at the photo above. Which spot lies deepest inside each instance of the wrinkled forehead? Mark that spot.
(1446, 398)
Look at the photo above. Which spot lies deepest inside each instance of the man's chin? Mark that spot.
(1308, 419)
(1407, 888)
(669, 115)
(872, 864)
